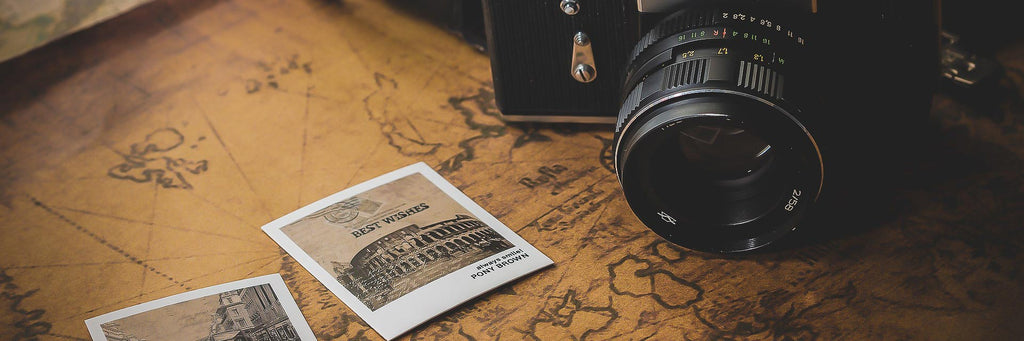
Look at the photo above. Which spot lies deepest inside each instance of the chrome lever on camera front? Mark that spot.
(583, 69)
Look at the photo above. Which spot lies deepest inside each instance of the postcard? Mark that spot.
(258, 308)
(404, 247)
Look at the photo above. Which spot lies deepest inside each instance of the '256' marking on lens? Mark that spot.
(793, 200)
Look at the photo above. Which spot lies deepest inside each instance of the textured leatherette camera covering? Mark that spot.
(530, 44)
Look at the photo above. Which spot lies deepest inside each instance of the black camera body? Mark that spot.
(728, 114)
(531, 48)
(530, 44)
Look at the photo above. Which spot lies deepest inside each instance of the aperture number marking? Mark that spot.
(793, 200)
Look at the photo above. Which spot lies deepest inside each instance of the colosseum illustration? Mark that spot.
(413, 256)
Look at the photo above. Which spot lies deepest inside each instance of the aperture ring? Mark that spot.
(686, 73)
(735, 21)
(677, 23)
(727, 71)
(756, 47)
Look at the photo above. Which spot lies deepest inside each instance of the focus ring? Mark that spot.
(685, 73)
(760, 79)
(629, 106)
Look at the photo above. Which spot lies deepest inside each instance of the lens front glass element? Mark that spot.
(724, 152)
(714, 170)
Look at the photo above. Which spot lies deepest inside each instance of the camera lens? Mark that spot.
(709, 149)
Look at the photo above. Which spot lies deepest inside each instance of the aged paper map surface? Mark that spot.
(139, 158)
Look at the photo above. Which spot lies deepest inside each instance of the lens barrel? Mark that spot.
(710, 149)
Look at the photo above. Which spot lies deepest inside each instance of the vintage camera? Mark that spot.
(730, 116)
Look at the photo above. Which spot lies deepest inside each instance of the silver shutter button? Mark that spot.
(569, 7)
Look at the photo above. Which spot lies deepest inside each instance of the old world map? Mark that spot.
(139, 160)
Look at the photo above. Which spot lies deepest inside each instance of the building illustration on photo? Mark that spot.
(114, 332)
(250, 314)
(413, 256)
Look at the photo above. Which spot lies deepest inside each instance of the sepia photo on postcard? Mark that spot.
(256, 309)
(390, 240)
(402, 247)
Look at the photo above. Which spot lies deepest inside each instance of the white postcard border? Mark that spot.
(431, 299)
(276, 283)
